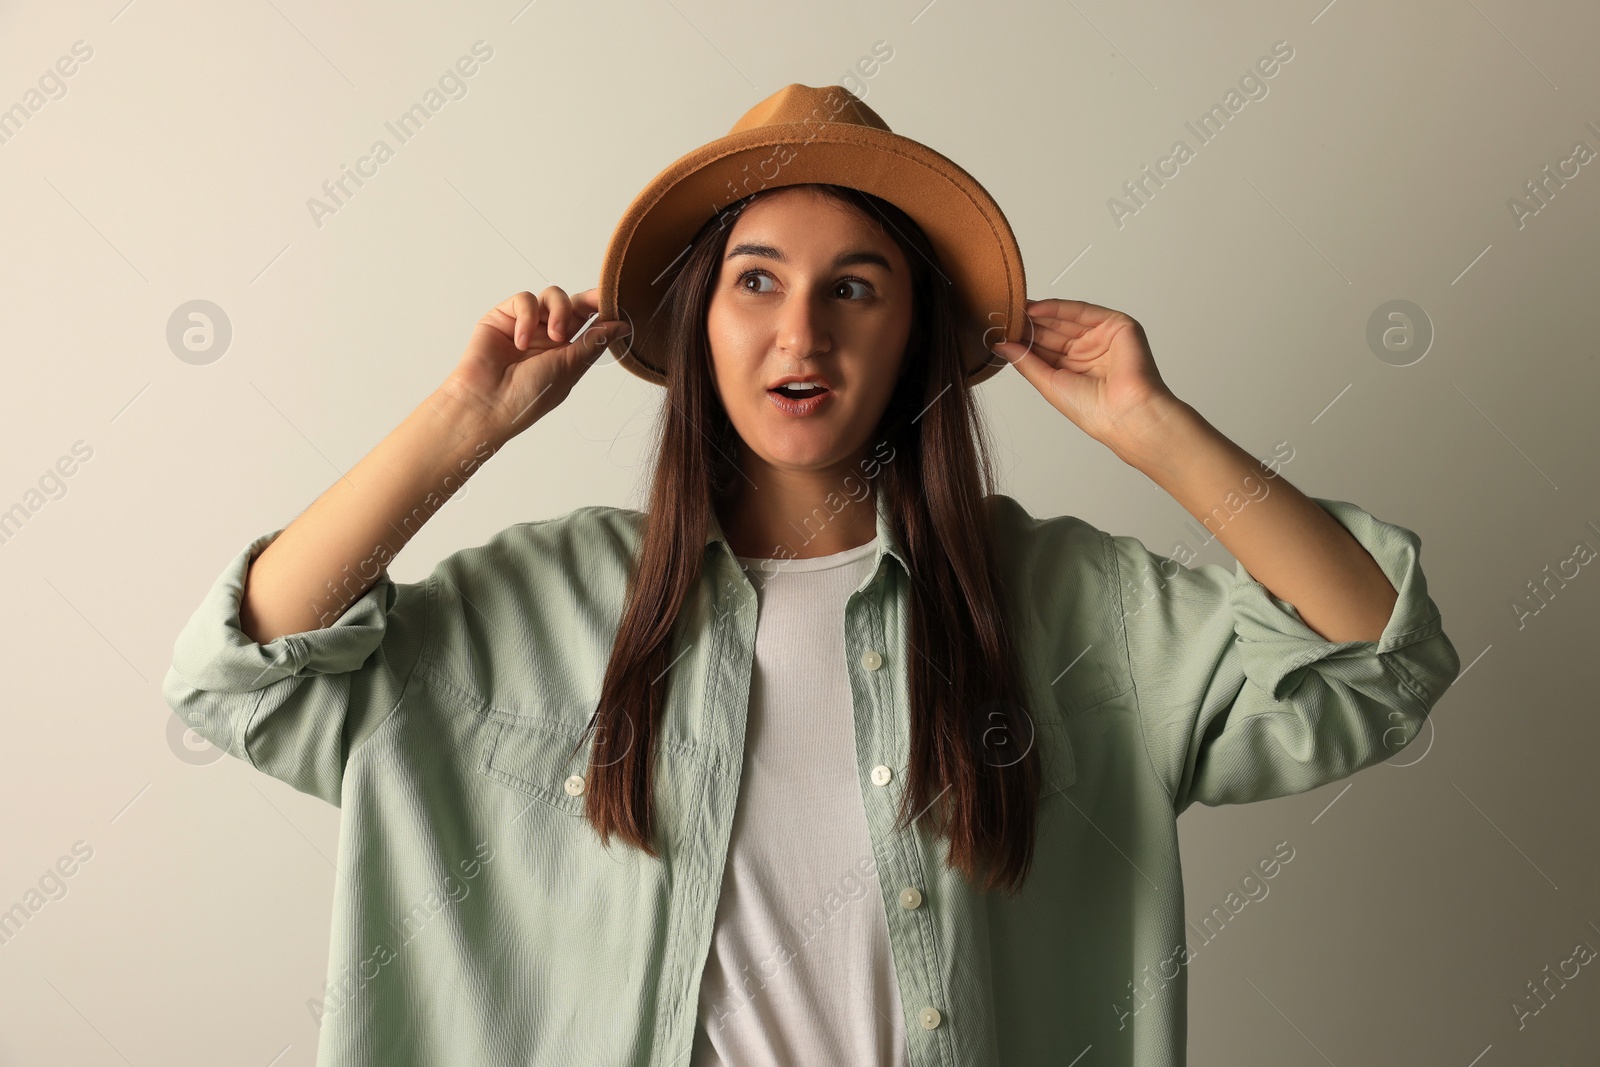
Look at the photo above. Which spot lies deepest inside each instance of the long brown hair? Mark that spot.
(967, 720)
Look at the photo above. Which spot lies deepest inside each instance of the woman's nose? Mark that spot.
(803, 327)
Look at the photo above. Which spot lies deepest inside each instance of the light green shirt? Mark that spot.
(478, 919)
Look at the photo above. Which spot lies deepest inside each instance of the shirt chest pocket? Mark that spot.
(1056, 759)
(538, 758)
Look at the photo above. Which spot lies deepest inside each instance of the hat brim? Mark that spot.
(977, 250)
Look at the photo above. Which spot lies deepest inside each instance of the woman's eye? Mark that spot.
(747, 276)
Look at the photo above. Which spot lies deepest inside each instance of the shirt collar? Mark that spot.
(888, 544)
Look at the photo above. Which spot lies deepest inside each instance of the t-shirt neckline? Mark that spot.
(769, 565)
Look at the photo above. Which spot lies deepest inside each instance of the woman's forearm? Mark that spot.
(337, 548)
(1288, 543)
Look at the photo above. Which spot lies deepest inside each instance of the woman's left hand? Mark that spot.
(1094, 366)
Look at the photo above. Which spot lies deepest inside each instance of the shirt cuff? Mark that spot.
(214, 654)
(1276, 646)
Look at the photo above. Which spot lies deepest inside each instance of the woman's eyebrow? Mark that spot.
(844, 259)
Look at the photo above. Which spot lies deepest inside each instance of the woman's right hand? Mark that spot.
(520, 361)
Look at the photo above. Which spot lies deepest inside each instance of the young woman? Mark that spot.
(835, 754)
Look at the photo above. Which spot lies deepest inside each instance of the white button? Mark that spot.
(574, 785)
(910, 897)
(881, 775)
(871, 660)
(929, 1017)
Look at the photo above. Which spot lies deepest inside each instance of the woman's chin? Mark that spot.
(797, 456)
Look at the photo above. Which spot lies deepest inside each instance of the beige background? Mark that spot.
(1423, 894)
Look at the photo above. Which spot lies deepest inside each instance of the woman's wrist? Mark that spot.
(1158, 436)
(467, 418)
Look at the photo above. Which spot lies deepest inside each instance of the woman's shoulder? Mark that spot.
(587, 520)
(1018, 529)
(522, 621)
(593, 541)
(1056, 558)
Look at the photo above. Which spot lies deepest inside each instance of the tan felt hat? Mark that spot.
(803, 133)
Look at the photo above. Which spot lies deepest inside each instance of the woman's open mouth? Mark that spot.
(797, 399)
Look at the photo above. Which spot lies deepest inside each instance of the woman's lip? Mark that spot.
(820, 382)
(801, 407)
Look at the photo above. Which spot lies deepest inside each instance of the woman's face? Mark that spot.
(808, 287)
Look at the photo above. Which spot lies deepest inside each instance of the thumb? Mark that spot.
(1029, 363)
(595, 339)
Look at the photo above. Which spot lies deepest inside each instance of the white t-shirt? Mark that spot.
(800, 971)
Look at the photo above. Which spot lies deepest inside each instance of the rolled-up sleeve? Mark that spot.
(298, 705)
(1240, 700)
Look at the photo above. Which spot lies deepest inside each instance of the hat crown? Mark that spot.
(796, 103)
(805, 134)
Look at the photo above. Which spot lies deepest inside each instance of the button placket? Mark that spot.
(911, 936)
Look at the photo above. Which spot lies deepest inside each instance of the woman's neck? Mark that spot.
(799, 515)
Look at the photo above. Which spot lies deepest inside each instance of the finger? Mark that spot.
(1054, 345)
(587, 348)
(527, 316)
(503, 316)
(1058, 339)
(586, 303)
(1029, 363)
(1068, 311)
(559, 305)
